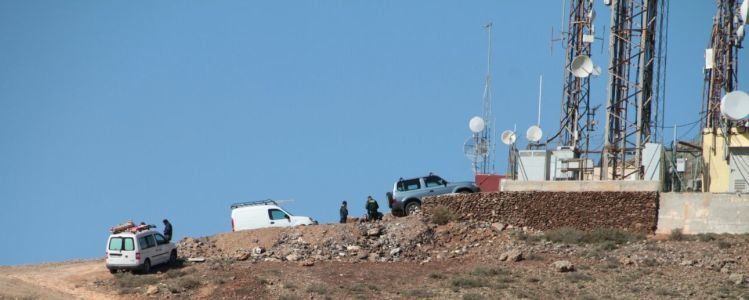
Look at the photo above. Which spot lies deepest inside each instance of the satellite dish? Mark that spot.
(744, 10)
(476, 124)
(534, 133)
(476, 149)
(582, 66)
(735, 105)
(740, 33)
(508, 137)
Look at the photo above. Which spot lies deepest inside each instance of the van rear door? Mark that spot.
(121, 250)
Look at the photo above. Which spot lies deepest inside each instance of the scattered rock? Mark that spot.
(152, 290)
(374, 231)
(243, 256)
(196, 259)
(688, 263)
(353, 248)
(498, 226)
(258, 250)
(626, 261)
(737, 278)
(511, 256)
(395, 251)
(292, 257)
(362, 255)
(563, 266)
(307, 263)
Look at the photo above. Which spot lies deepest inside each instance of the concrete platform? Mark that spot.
(580, 186)
(703, 213)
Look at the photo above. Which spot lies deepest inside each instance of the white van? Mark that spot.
(264, 213)
(138, 251)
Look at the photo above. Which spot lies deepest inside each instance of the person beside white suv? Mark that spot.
(138, 250)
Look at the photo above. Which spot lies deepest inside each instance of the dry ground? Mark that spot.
(703, 267)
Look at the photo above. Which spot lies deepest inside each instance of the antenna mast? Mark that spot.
(631, 72)
(721, 62)
(487, 163)
(575, 124)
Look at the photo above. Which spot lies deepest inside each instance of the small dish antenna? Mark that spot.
(582, 67)
(508, 137)
(735, 105)
(534, 133)
(744, 10)
(740, 33)
(476, 124)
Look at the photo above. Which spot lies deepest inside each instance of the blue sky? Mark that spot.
(111, 110)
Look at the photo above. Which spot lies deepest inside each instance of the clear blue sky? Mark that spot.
(111, 110)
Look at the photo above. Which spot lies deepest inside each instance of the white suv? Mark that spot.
(139, 251)
(264, 213)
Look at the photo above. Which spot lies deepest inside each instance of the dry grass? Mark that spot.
(608, 238)
(442, 215)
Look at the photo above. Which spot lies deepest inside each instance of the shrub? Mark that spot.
(481, 271)
(473, 297)
(317, 289)
(609, 237)
(183, 284)
(467, 282)
(418, 293)
(564, 235)
(676, 235)
(724, 244)
(442, 215)
(437, 276)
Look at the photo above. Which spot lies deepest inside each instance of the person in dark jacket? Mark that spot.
(344, 212)
(167, 230)
(372, 208)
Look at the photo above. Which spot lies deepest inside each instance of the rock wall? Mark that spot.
(633, 211)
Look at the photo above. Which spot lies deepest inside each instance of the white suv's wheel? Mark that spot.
(147, 266)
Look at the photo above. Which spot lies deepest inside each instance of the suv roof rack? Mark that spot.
(251, 203)
(131, 227)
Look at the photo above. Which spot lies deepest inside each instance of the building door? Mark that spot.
(739, 165)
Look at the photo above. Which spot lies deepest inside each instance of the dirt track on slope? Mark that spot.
(67, 280)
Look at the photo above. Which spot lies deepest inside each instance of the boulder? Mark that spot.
(737, 278)
(152, 290)
(511, 256)
(563, 266)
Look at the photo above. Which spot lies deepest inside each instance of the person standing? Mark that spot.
(167, 230)
(344, 212)
(372, 207)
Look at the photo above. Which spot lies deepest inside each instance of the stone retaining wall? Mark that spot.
(633, 211)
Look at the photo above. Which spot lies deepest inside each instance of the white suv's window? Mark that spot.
(118, 244)
(151, 242)
(276, 214)
(142, 242)
(160, 239)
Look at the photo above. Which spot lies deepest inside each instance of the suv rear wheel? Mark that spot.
(146, 267)
(412, 207)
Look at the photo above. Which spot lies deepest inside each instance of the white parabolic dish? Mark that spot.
(582, 66)
(735, 105)
(508, 137)
(744, 10)
(476, 124)
(534, 133)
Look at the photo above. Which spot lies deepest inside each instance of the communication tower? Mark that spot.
(634, 78)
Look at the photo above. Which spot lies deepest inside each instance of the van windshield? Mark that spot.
(119, 244)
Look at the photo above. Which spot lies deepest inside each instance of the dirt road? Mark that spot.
(67, 280)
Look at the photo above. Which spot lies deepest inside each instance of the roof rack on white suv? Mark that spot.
(251, 203)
